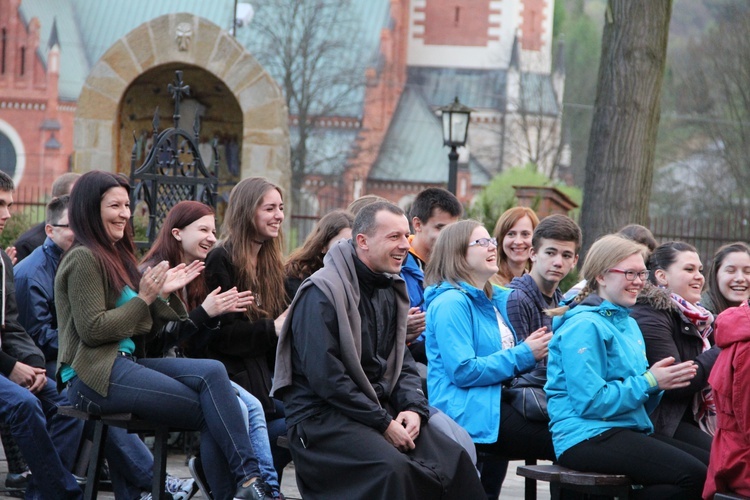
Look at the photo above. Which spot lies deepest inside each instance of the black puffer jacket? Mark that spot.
(668, 332)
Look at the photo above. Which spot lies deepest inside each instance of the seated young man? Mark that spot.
(554, 253)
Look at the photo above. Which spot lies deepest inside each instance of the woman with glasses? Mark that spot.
(674, 324)
(600, 388)
(472, 349)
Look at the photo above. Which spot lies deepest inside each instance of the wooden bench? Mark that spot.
(131, 423)
(592, 483)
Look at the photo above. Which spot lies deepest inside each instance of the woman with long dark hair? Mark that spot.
(249, 256)
(308, 258)
(187, 234)
(675, 324)
(106, 308)
(729, 278)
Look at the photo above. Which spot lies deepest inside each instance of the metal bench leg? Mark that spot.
(95, 461)
(161, 436)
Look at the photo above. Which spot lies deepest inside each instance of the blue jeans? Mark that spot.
(187, 393)
(259, 436)
(48, 442)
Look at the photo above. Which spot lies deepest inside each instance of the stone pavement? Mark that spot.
(513, 487)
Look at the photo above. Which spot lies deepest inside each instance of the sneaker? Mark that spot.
(180, 489)
(17, 480)
(196, 470)
(256, 490)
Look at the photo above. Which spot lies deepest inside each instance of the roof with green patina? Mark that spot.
(413, 148)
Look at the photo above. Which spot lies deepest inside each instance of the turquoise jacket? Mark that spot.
(597, 374)
(466, 362)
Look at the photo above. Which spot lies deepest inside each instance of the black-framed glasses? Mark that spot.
(630, 274)
(484, 242)
(60, 225)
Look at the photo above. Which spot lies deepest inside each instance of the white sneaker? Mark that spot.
(181, 489)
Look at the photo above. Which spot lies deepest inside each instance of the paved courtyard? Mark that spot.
(512, 487)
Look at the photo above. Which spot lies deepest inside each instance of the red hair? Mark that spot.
(166, 247)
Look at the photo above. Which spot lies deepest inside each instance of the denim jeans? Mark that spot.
(49, 442)
(187, 393)
(259, 436)
(276, 428)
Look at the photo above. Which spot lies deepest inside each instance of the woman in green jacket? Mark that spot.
(106, 309)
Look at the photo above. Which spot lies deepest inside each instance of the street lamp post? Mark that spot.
(455, 131)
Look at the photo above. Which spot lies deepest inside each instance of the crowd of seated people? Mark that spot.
(387, 349)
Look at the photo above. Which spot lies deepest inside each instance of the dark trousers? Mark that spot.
(692, 434)
(520, 439)
(667, 468)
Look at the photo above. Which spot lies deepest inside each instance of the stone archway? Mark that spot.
(191, 40)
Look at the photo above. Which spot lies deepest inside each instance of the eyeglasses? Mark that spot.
(60, 225)
(630, 274)
(484, 242)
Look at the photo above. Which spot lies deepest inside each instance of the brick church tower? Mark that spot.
(36, 129)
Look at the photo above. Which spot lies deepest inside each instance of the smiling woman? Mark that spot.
(513, 231)
(729, 277)
(249, 256)
(600, 388)
(674, 324)
(472, 349)
(107, 309)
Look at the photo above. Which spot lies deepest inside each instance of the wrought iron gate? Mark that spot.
(173, 170)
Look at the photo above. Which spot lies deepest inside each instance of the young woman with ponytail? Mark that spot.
(600, 388)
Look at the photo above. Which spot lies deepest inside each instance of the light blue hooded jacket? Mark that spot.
(466, 362)
(597, 376)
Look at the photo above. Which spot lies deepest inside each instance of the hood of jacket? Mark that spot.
(656, 297)
(732, 326)
(592, 303)
(434, 291)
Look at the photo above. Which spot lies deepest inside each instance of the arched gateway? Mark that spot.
(238, 101)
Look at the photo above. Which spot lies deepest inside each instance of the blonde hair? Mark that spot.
(448, 260)
(604, 254)
(505, 223)
(265, 277)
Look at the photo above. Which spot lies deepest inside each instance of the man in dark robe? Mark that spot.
(359, 423)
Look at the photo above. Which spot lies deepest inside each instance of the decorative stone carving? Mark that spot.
(183, 36)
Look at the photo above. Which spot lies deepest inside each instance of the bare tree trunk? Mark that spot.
(620, 162)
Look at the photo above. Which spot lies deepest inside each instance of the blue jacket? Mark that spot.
(414, 278)
(597, 374)
(467, 364)
(35, 294)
